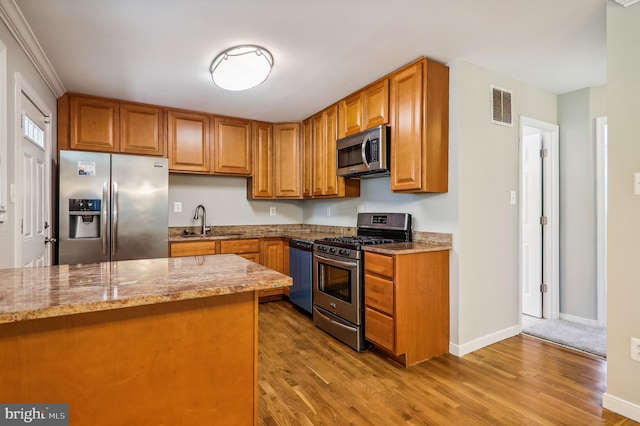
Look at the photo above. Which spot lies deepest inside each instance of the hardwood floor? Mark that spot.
(306, 377)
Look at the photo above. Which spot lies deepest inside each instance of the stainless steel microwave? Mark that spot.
(364, 154)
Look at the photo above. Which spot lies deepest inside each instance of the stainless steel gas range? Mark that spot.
(338, 295)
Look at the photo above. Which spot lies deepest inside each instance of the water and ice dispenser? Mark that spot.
(84, 218)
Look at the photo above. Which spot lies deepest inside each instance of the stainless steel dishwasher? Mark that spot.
(300, 269)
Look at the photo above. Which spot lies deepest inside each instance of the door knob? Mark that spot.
(50, 240)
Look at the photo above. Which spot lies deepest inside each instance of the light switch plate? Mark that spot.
(636, 184)
(513, 198)
(177, 207)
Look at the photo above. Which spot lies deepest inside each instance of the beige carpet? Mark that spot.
(585, 338)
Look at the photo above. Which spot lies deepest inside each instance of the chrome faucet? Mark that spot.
(204, 218)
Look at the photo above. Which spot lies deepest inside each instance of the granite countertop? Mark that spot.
(245, 232)
(31, 293)
(408, 248)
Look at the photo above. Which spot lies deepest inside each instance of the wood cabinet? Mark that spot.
(307, 163)
(406, 300)
(277, 164)
(275, 255)
(364, 109)
(419, 118)
(232, 146)
(325, 178)
(91, 123)
(189, 142)
(142, 130)
(94, 124)
(261, 182)
(192, 248)
(247, 248)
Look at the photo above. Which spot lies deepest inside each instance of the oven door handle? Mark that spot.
(334, 262)
(346, 327)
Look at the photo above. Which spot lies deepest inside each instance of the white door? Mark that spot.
(531, 250)
(36, 218)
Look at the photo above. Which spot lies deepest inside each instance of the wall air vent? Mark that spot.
(501, 106)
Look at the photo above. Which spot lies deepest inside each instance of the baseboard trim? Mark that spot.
(579, 320)
(481, 342)
(621, 406)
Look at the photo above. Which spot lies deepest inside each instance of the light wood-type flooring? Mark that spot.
(308, 378)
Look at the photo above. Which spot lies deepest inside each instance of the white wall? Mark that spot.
(576, 114)
(17, 61)
(488, 167)
(623, 315)
(225, 199)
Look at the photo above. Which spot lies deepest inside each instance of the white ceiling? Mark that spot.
(159, 51)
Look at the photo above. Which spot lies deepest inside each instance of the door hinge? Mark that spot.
(21, 226)
(47, 119)
(544, 153)
(544, 288)
(543, 220)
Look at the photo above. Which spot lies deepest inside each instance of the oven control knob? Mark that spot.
(332, 250)
(343, 252)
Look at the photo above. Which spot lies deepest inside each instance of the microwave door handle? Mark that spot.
(363, 151)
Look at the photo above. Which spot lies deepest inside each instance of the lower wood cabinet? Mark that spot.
(406, 299)
(270, 252)
(275, 255)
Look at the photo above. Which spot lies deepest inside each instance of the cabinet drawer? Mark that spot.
(379, 264)
(378, 293)
(270, 292)
(240, 246)
(254, 257)
(196, 248)
(379, 329)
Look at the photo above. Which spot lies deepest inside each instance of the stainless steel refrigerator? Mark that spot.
(112, 207)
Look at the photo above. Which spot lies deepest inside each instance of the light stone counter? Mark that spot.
(32, 293)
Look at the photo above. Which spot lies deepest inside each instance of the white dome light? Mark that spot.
(241, 67)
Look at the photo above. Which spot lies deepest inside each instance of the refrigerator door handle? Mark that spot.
(105, 210)
(114, 225)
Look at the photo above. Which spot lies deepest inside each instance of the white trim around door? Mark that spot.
(550, 231)
(601, 221)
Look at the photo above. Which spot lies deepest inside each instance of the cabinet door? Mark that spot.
(307, 175)
(272, 251)
(188, 139)
(142, 130)
(350, 115)
(94, 124)
(319, 154)
(375, 104)
(407, 154)
(246, 246)
(262, 180)
(287, 160)
(331, 135)
(232, 146)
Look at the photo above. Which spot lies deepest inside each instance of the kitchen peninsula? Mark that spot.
(156, 341)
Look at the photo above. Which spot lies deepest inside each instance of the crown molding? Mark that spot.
(21, 31)
(626, 3)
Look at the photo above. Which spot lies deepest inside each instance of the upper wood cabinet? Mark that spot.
(287, 160)
(419, 118)
(91, 123)
(232, 146)
(324, 131)
(188, 140)
(307, 154)
(142, 129)
(277, 161)
(94, 124)
(261, 183)
(364, 109)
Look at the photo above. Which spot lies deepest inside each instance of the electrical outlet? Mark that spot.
(177, 207)
(635, 349)
(328, 211)
(513, 198)
(272, 211)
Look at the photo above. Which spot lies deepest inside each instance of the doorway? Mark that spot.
(539, 219)
(34, 168)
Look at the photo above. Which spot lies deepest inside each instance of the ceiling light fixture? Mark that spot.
(241, 67)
